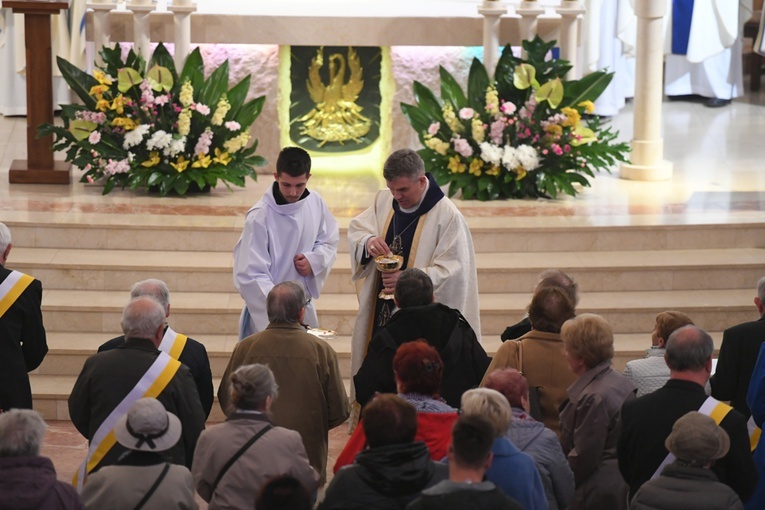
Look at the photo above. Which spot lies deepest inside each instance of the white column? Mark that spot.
(492, 11)
(182, 10)
(570, 11)
(529, 10)
(141, 34)
(647, 159)
(101, 10)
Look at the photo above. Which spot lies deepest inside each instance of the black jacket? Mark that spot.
(449, 496)
(465, 361)
(648, 420)
(738, 354)
(22, 345)
(387, 477)
(194, 356)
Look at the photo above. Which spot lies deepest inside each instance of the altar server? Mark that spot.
(289, 235)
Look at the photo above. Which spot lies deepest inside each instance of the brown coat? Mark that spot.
(312, 397)
(543, 365)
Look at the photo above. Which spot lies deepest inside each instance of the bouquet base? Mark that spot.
(194, 189)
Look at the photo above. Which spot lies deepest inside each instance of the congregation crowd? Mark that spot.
(547, 423)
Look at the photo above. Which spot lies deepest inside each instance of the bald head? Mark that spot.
(285, 303)
(143, 317)
(689, 349)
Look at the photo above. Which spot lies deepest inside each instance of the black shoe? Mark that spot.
(690, 98)
(714, 102)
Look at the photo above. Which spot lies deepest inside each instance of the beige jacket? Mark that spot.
(543, 365)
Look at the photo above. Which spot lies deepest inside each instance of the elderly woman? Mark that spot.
(590, 419)
(418, 370)
(234, 459)
(511, 470)
(533, 438)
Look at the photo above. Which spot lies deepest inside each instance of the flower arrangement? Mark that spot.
(528, 133)
(157, 129)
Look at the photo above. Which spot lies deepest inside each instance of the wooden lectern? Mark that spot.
(39, 168)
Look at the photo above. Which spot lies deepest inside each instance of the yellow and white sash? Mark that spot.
(711, 407)
(754, 433)
(173, 343)
(151, 384)
(11, 288)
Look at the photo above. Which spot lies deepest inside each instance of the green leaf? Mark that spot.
(193, 70)
(525, 77)
(237, 94)
(154, 179)
(181, 186)
(214, 87)
(79, 81)
(160, 78)
(478, 82)
(589, 88)
(249, 112)
(552, 92)
(418, 119)
(109, 185)
(427, 101)
(162, 58)
(451, 91)
(127, 78)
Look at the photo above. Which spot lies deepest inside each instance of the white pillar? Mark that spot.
(101, 10)
(492, 11)
(182, 10)
(647, 159)
(570, 12)
(529, 10)
(141, 31)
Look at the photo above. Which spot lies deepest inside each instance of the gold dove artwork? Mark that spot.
(335, 117)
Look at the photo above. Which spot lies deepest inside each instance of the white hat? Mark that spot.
(148, 427)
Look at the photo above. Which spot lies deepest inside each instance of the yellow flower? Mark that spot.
(588, 106)
(493, 171)
(98, 90)
(520, 172)
(181, 165)
(478, 131)
(101, 77)
(220, 112)
(492, 101)
(152, 161)
(572, 115)
(124, 122)
(437, 145)
(221, 157)
(118, 105)
(237, 143)
(475, 167)
(451, 119)
(184, 123)
(102, 105)
(186, 97)
(202, 161)
(455, 166)
(554, 129)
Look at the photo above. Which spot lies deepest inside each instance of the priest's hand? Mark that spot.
(377, 246)
(389, 281)
(302, 265)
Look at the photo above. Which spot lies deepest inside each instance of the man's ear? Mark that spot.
(489, 458)
(7, 252)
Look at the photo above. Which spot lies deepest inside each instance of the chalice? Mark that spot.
(388, 264)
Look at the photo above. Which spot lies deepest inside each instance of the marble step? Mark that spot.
(96, 269)
(490, 234)
(217, 313)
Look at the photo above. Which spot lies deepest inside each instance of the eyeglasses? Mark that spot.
(307, 302)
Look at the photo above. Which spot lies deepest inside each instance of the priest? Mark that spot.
(423, 226)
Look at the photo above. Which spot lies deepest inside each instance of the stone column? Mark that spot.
(101, 10)
(182, 10)
(141, 34)
(570, 11)
(647, 160)
(529, 10)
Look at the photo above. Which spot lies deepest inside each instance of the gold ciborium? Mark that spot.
(388, 264)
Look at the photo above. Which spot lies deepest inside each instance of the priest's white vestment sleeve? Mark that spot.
(273, 235)
(442, 247)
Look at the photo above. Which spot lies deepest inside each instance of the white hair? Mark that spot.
(142, 317)
(761, 289)
(154, 288)
(21, 433)
(5, 237)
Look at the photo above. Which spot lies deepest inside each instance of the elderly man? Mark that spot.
(288, 235)
(419, 317)
(28, 480)
(648, 420)
(111, 381)
(312, 397)
(427, 230)
(738, 353)
(186, 350)
(548, 278)
(22, 334)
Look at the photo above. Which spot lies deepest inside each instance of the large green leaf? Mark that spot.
(478, 82)
(589, 88)
(427, 101)
(214, 87)
(238, 94)
(80, 82)
(162, 58)
(451, 91)
(250, 111)
(193, 70)
(503, 76)
(418, 119)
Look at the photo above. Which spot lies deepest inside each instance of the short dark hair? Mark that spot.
(293, 161)
(688, 349)
(413, 288)
(419, 368)
(550, 307)
(283, 493)
(389, 419)
(403, 163)
(284, 302)
(472, 439)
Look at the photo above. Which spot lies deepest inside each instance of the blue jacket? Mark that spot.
(516, 474)
(755, 398)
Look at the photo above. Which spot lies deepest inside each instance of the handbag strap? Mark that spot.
(154, 487)
(519, 351)
(238, 454)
